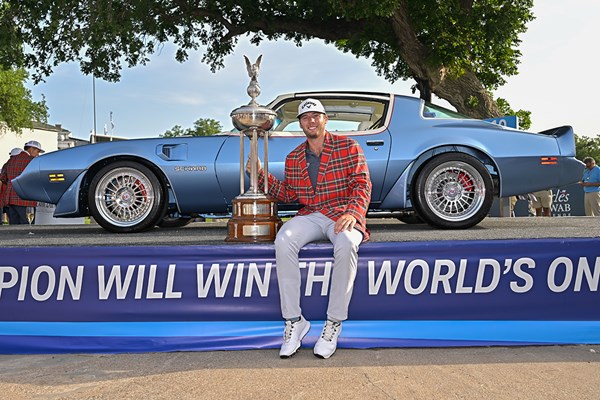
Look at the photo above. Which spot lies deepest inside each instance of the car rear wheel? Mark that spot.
(126, 197)
(453, 191)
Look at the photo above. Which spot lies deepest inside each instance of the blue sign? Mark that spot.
(510, 121)
(567, 201)
(449, 293)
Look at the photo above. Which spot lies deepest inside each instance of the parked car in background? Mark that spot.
(424, 160)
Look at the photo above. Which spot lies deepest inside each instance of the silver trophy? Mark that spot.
(254, 216)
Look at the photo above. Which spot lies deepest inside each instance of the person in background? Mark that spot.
(591, 187)
(527, 197)
(542, 203)
(513, 202)
(3, 188)
(14, 168)
(328, 175)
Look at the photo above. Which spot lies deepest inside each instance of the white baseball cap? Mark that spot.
(310, 105)
(15, 152)
(36, 144)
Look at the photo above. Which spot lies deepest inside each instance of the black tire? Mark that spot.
(453, 191)
(126, 197)
(174, 222)
(411, 219)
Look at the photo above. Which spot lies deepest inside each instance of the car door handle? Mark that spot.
(375, 142)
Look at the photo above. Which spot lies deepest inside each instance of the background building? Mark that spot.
(51, 137)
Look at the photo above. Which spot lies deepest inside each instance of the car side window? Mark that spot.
(434, 111)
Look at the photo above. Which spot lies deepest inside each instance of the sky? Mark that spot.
(557, 81)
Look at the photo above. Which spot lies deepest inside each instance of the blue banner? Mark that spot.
(567, 201)
(447, 293)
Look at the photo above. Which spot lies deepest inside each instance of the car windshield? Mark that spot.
(433, 111)
(345, 114)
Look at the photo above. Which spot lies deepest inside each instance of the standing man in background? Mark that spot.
(14, 168)
(591, 187)
(542, 203)
(3, 192)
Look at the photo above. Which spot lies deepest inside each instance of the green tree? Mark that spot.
(175, 131)
(523, 116)
(587, 146)
(17, 109)
(457, 49)
(202, 127)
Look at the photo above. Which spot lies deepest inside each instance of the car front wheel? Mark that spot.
(126, 197)
(453, 191)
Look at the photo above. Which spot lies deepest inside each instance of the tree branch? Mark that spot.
(324, 28)
(412, 51)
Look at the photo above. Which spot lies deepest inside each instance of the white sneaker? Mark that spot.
(292, 337)
(327, 343)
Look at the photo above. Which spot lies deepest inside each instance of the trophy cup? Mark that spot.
(254, 216)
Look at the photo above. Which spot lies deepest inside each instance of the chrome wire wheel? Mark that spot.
(455, 191)
(124, 197)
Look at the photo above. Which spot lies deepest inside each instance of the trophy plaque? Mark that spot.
(254, 218)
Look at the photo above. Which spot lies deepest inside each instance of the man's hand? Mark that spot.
(249, 166)
(345, 222)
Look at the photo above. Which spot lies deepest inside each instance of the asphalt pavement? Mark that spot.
(497, 373)
(531, 373)
(215, 232)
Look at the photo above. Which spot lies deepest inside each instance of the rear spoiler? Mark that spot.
(565, 137)
(558, 132)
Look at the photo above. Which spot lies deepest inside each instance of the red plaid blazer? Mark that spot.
(12, 169)
(343, 186)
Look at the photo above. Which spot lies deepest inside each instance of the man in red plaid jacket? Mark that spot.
(12, 169)
(329, 176)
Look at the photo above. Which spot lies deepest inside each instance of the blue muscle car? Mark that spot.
(423, 160)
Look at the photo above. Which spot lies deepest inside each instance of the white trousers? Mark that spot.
(296, 233)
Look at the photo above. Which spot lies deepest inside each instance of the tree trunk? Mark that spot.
(458, 91)
(436, 79)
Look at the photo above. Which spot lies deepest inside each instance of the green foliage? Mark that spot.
(479, 35)
(587, 146)
(472, 101)
(202, 127)
(523, 116)
(17, 109)
(456, 49)
(11, 50)
(175, 131)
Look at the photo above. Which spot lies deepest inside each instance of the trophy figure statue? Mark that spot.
(254, 217)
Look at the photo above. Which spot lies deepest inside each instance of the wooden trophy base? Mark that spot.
(254, 220)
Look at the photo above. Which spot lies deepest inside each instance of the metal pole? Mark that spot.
(266, 157)
(94, 94)
(254, 162)
(242, 163)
